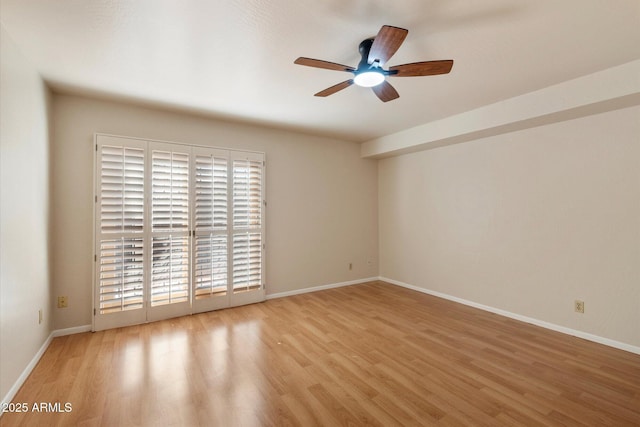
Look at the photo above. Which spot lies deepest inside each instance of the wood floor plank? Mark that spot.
(371, 354)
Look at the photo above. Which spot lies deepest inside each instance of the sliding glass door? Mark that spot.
(179, 230)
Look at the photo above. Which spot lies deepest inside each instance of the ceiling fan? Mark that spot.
(375, 53)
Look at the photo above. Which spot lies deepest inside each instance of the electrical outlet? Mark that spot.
(350, 266)
(62, 302)
(579, 306)
(39, 316)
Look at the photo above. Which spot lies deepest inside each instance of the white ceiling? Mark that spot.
(234, 58)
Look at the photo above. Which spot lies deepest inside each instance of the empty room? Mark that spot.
(320, 213)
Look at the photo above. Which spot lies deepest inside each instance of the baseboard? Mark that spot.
(25, 373)
(32, 364)
(71, 331)
(580, 334)
(319, 288)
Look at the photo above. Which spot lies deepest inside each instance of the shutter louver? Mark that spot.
(247, 261)
(210, 265)
(121, 189)
(170, 270)
(170, 191)
(121, 275)
(247, 193)
(211, 192)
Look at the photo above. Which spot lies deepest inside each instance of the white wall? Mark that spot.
(24, 213)
(322, 197)
(525, 222)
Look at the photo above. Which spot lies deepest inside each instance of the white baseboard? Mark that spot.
(71, 331)
(319, 288)
(32, 364)
(580, 334)
(25, 373)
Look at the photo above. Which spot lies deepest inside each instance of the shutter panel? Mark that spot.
(247, 193)
(247, 261)
(247, 223)
(170, 227)
(170, 270)
(210, 265)
(211, 213)
(120, 278)
(246, 256)
(121, 189)
(170, 191)
(121, 275)
(211, 192)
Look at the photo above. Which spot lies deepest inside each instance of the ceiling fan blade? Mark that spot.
(425, 68)
(335, 88)
(318, 63)
(386, 43)
(385, 92)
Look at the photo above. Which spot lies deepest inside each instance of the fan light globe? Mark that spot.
(368, 79)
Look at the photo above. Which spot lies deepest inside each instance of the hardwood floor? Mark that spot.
(372, 354)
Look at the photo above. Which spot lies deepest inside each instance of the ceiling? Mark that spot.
(233, 59)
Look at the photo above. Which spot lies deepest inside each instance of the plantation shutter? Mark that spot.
(120, 246)
(247, 222)
(121, 274)
(122, 189)
(178, 229)
(170, 226)
(211, 216)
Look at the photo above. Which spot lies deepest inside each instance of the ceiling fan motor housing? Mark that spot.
(364, 49)
(364, 66)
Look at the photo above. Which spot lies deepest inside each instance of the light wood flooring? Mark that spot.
(371, 354)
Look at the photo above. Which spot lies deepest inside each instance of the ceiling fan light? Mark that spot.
(368, 79)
